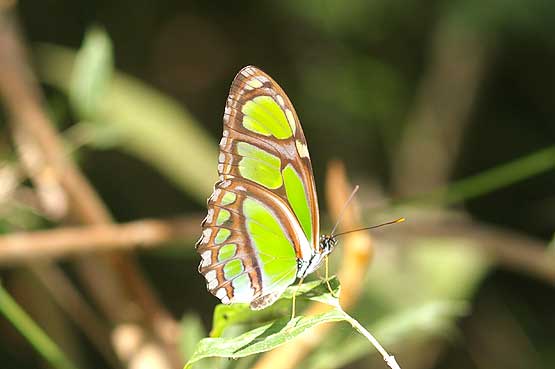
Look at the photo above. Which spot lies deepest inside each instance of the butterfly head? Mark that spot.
(309, 265)
(327, 244)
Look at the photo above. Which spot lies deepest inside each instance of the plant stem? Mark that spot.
(389, 359)
(486, 181)
(32, 332)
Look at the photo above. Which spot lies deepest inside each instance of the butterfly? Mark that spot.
(262, 231)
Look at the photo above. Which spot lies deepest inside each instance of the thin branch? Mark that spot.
(510, 250)
(36, 135)
(71, 241)
(446, 95)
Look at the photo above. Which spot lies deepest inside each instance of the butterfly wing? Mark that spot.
(263, 214)
(260, 113)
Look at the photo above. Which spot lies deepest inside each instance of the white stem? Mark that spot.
(389, 359)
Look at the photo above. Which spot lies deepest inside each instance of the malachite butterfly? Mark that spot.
(262, 228)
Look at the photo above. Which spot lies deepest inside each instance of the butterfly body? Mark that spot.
(262, 227)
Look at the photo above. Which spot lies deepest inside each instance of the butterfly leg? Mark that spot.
(328, 278)
(295, 298)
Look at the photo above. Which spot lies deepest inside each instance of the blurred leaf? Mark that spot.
(551, 245)
(91, 73)
(101, 136)
(415, 294)
(192, 331)
(487, 181)
(531, 17)
(364, 87)
(433, 318)
(374, 20)
(32, 332)
(438, 269)
(147, 124)
(16, 216)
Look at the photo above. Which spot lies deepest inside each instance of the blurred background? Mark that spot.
(442, 112)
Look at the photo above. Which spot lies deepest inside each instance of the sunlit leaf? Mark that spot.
(228, 315)
(281, 331)
(91, 73)
(149, 125)
(261, 339)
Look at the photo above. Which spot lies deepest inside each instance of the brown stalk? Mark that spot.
(508, 249)
(44, 157)
(357, 254)
(434, 130)
(71, 241)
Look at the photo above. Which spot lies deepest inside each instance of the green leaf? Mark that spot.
(316, 291)
(146, 124)
(229, 315)
(240, 314)
(280, 331)
(92, 73)
(32, 332)
(261, 339)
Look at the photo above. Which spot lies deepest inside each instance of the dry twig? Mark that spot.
(43, 154)
(70, 241)
(508, 249)
(446, 95)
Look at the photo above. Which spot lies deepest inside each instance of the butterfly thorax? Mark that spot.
(325, 247)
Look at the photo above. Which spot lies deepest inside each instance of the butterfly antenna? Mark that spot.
(400, 220)
(342, 212)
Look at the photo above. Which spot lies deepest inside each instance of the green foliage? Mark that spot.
(129, 115)
(269, 335)
(490, 180)
(357, 66)
(261, 339)
(447, 274)
(192, 331)
(32, 332)
(92, 73)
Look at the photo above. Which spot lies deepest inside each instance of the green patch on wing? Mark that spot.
(233, 268)
(264, 116)
(276, 254)
(227, 251)
(229, 198)
(297, 197)
(222, 235)
(223, 216)
(259, 166)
